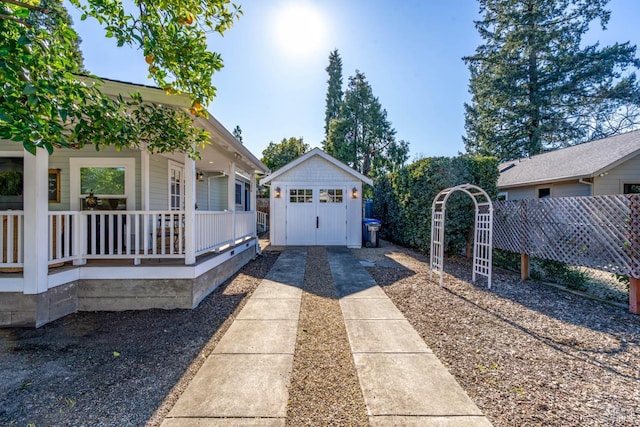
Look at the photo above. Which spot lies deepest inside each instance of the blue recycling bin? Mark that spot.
(368, 208)
(370, 229)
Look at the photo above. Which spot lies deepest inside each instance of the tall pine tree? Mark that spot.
(334, 91)
(362, 136)
(535, 87)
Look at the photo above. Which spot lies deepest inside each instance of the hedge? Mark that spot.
(402, 200)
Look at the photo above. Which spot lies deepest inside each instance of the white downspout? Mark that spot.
(590, 184)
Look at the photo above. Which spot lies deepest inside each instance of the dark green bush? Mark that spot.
(403, 199)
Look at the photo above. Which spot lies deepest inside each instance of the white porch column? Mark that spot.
(231, 202)
(36, 224)
(144, 174)
(231, 196)
(253, 200)
(189, 210)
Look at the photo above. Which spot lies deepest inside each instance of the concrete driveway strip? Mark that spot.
(244, 381)
(402, 381)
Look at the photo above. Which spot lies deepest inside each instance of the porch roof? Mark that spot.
(224, 146)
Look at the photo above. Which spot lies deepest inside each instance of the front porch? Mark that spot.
(121, 260)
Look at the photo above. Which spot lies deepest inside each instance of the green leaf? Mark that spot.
(29, 89)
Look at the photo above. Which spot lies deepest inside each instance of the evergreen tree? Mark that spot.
(334, 91)
(362, 136)
(535, 87)
(237, 133)
(51, 15)
(277, 155)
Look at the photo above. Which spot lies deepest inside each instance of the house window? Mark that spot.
(631, 188)
(238, 194)
(102, 180)
(544, 193)
(331, 196)
(110, 179)
(176, 186)
(301, 195)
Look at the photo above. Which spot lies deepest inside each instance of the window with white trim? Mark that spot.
(331, 195)
(176, 186)
(111, 180)
(300, 195)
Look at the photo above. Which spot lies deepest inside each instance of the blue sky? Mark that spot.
(409, 50)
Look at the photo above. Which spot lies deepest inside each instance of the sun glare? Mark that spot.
(300, 29)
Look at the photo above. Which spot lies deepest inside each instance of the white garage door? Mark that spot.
(316, 216)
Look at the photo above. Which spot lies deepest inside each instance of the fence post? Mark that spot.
(633, 249)
(524, 267)
(634, 294)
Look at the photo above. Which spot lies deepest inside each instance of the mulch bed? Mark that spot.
(526, 353)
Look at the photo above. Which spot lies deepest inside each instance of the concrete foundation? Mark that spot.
(21, 310)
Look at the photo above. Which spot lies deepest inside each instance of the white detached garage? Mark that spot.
(316, 200)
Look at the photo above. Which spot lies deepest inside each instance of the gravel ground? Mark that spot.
(324, 389)
(115, 368)
(526, 353)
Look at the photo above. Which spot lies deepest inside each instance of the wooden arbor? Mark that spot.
(483, 233)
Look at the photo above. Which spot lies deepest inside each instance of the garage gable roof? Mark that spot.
(585, 160)
(316, 152)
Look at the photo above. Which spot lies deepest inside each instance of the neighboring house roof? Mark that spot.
(219, 134)
(576, 162)
(316, 152)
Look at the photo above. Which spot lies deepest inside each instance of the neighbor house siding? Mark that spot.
(613, 182)
(570, 189)
(561, 189)
(521, 193)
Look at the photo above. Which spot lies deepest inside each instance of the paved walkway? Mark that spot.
(244, 381)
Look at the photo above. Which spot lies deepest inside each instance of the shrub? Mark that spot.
(403, 199)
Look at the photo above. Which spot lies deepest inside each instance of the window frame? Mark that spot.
(543, 188)
(170, 195)
(77, 163)
(628, 185)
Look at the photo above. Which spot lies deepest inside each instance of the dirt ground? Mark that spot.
(114, 368)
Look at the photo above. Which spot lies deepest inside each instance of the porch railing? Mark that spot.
(262, 220)
(245, 225)
(11, 239)
(214, 231)
(123, 234)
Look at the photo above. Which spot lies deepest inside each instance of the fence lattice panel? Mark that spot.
(600, 232)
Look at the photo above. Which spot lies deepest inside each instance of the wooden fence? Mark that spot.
(601, 232)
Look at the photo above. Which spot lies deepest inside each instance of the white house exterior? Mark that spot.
(604, 166)
(168, 233)
(316, 200)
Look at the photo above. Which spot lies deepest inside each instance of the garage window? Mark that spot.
(331, 196)
(301, 195)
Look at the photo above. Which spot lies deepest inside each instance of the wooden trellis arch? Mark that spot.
(482, 236)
